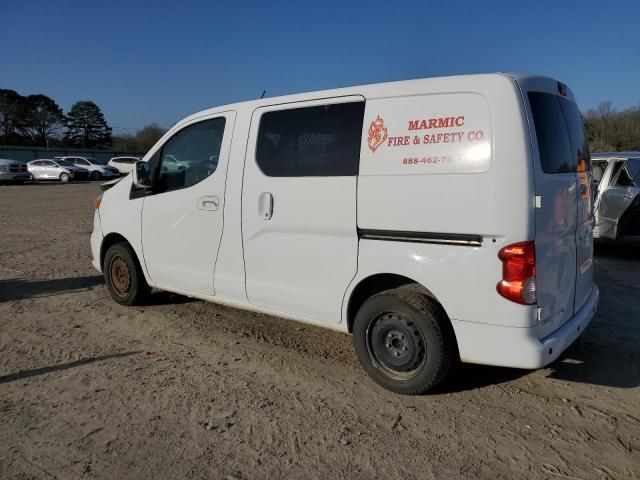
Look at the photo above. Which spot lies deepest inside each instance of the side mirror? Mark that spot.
(141, 177)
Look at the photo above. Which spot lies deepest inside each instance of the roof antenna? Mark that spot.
(263, 92)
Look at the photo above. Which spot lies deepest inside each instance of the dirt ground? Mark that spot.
(189, 389)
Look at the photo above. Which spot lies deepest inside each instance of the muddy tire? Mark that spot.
(404, 341)
(123, 276)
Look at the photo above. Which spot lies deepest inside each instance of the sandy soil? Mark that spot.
(188, 389)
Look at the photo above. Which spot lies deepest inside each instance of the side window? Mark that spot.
(551, 132)
(190, 156)
(629, 175)
(322, 141)
(575, 126)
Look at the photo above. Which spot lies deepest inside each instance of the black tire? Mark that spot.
(64, 177)
(95, 176)
(404, 341)
(123, 276)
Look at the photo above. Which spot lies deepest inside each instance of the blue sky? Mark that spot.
(144, 62)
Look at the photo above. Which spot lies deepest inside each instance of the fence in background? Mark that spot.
(26, 154)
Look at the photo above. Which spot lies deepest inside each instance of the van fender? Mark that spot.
(113, 238)
(394, 259)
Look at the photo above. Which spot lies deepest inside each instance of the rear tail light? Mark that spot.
(518, 273)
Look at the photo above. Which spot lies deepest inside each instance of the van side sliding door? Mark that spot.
(299, 206)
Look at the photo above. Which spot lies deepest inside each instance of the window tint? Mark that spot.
(575, 126)
(311, 141)
(191, 155)
(629, 175)
(633, 166)
(553, 140)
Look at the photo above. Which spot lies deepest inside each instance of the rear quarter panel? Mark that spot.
(494, 200)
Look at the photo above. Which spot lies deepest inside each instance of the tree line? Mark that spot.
(39, 121)
(612, 130)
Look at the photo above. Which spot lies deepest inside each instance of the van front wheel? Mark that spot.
(123, 276)
(403, 340)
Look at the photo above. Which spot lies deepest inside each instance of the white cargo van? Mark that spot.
(436, 220)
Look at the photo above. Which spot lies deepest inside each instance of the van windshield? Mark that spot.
(562, 143)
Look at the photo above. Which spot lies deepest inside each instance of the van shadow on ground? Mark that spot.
(22, 288)
(23, 374)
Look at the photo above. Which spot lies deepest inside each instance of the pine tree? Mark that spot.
(86, 126)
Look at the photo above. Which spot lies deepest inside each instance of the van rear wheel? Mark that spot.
(123, 276)
(403, 340)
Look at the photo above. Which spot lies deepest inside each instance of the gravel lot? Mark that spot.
(188, 389)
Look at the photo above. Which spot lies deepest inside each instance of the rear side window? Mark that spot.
(322, 141)
(577, 136)
(556, 155)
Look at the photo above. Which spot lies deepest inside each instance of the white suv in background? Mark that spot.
(96, 170)
(123, 164)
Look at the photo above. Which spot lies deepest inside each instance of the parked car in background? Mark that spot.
(13, 171)
(617, 202)
(123, 164)
(79, 173)
(97, 171)
(50, 169)
(172, 164)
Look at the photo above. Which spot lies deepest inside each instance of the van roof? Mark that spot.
(408, 87)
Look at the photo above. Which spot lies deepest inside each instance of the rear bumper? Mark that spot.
(518, 347)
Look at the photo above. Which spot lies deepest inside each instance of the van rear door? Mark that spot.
(563, 239)
(584, 232)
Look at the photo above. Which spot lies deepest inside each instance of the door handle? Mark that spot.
(208, 203)
(265, 205)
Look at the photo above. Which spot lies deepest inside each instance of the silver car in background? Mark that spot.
(49, 169)
(95, 170)
(617, 202)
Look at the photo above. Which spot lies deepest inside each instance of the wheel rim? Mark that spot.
(396, 346)
(120, 276)
(64, 177)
